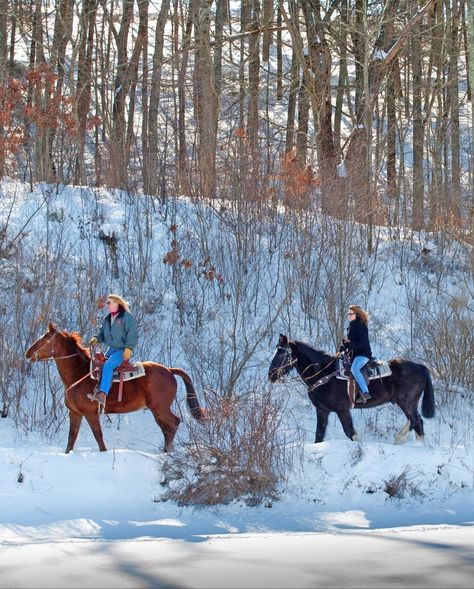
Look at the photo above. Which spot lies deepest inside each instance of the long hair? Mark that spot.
(121, 302)
(360, 313)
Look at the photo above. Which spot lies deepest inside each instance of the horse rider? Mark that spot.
(120, 334)
(358, 341)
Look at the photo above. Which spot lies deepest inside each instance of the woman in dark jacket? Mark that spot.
(358, 341)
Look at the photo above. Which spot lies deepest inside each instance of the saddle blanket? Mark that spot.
(374, 369)
(139, 370)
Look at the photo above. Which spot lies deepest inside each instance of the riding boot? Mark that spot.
(99, 397)
(363, 398)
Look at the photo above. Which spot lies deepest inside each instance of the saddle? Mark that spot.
(126, 371)
(373, 369)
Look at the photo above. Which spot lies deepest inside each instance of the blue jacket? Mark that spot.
(122, 333)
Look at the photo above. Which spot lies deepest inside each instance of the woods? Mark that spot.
(210, 99)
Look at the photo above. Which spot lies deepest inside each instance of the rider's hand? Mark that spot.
(93, 341)
(127, 354)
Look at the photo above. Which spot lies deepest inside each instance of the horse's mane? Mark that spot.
(312, 354)
(75, 339)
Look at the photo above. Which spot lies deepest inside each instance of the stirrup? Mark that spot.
(101, 403)
(363, 398)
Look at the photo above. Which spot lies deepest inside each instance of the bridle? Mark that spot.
(288, 360)
(52, 357)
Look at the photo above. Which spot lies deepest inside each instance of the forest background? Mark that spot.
(360, 106)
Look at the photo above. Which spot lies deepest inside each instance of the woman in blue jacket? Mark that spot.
(358, 341)
(119, 333)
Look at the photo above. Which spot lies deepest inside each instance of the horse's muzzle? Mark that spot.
(274, 375)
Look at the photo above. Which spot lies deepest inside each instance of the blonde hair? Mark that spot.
(360, 313)
(121, 302)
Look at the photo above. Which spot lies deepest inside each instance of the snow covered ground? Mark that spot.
(91, 519)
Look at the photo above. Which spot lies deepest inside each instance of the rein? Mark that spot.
(324, 379)
(290, 361)
(78, 381)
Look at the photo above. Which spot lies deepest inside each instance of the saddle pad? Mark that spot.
(379, 369)
(127, 375)
(376, 369)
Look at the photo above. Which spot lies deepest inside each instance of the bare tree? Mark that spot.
(150, 156)
(84, 82)
(206, 103)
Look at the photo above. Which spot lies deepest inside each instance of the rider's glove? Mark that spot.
(127, 354)
(93, 341)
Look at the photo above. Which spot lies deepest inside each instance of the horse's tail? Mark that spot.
(191, 396)
(427, 404)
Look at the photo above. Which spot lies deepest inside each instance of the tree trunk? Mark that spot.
(343, 76)
(132, 76)
(206, 103)
(279, 52)
(220, 19)
(3, 64)
(293, 88)
(267, 33)
(418, 132)
(303, 123)
(3, 38)
(254, 86)
(184, 179)
(84, 81)
(470, 37)
(151, 158)
(39, 135)
(437, 44)
(319, 90)
(454, 190)
(117, 143)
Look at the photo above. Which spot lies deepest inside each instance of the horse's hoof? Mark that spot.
(399, 440)
(355, 438)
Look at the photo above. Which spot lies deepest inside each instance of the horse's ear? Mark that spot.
(283, 341)
(52, 327)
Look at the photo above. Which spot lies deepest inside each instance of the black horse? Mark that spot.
(327, 393)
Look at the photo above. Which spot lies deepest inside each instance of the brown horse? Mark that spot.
(155, 390)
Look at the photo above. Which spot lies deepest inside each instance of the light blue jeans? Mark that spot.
(114, 359)
(358, 363)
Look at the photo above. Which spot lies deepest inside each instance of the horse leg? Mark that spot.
(321, 425)
(168, 425)
(75, 420)
(402, 435)
(414, 422)
(345, 418)
(418, 427)
(94, 422)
